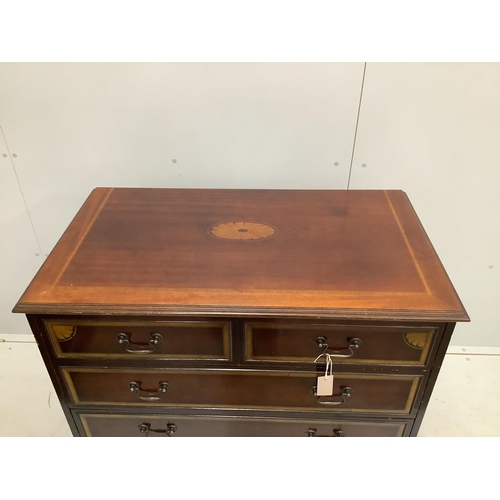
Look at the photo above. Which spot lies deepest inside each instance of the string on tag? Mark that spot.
(329, 363)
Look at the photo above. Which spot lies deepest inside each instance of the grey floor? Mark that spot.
(465, 401)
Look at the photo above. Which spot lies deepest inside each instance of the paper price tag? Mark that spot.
(324, 386)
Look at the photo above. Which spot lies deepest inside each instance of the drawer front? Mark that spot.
(140, 339)
(105, 425)
(239, 389)
(351, 344)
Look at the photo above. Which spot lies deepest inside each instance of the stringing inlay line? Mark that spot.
(410, 249)
(80, 241)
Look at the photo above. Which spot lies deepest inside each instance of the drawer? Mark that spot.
(195, 340)
(353, 344)
(155, 425)
(388, 394)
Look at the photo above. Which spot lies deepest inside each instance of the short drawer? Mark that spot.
(155, 425)
(281, 342)
(140, 339)
(388, 394)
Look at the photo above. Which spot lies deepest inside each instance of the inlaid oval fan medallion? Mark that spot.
(415, 340)
(64, 332)
(242, 231)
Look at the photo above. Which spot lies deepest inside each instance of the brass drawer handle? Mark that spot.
(124, 338)
(163, 387)
(336, 433)
(145, 428)
(354, 343)
(346, 393)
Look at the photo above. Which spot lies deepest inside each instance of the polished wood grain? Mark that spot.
(91, 338)
(338, 254)
(105, 425)
(239, 284)
(292, 342)
(239, 389)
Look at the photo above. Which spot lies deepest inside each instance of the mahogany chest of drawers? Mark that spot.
(193, 312)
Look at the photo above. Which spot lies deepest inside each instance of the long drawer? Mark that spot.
(272, 390)
(155, 425)
(185, 340)
(303, 342)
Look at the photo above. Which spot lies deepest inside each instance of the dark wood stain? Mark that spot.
(295, 342)
(206, 340)
(128, 425)
(239, 389)
(239, 318)
(150, 248)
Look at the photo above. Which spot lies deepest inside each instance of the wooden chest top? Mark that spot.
(331, 254)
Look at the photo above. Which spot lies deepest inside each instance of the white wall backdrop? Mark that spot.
(20, 255)
(430, 129)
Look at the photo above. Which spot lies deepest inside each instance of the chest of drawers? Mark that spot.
(184, 312)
